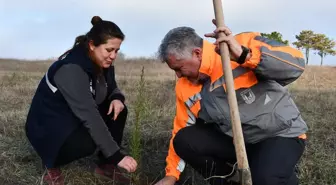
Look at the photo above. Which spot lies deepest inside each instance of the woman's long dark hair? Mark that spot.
(100, 32)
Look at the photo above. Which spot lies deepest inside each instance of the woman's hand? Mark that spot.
(117, 106)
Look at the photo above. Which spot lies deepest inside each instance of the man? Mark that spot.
(273, 129)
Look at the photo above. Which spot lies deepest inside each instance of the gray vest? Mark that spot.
(266, 109)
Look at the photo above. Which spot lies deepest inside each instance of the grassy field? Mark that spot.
(314, 93)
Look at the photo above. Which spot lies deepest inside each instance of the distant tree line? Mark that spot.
(308, 41)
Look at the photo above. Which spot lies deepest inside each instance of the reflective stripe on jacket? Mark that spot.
(265, 106)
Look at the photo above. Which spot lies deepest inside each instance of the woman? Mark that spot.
(78, 107)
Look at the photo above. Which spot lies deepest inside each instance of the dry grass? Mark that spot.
(317, 78)
(314, 93)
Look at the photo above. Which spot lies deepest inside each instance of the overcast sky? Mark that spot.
(39, 29)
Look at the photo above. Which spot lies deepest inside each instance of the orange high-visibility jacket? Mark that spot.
(258, 82)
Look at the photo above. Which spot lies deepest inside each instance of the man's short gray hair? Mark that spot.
(179, 42)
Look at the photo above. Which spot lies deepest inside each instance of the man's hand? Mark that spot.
(167, 180)
(128, 163)
(235, 48)
(117, 106)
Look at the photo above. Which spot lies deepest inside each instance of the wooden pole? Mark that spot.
(243, 166)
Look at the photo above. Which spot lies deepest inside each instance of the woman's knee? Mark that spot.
(124, 112)
(122, 116)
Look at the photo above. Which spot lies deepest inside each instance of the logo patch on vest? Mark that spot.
(248, 96)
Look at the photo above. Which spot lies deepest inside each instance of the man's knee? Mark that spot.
(260, 177)
(269, 177)
(180, 143)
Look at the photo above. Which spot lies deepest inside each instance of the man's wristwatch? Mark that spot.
(243, 56)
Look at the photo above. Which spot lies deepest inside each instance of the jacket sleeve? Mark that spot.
(175, 165)
(73, 84)
(272, 60)
(115, 92)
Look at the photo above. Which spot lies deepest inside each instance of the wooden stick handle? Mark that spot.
(239, 143)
